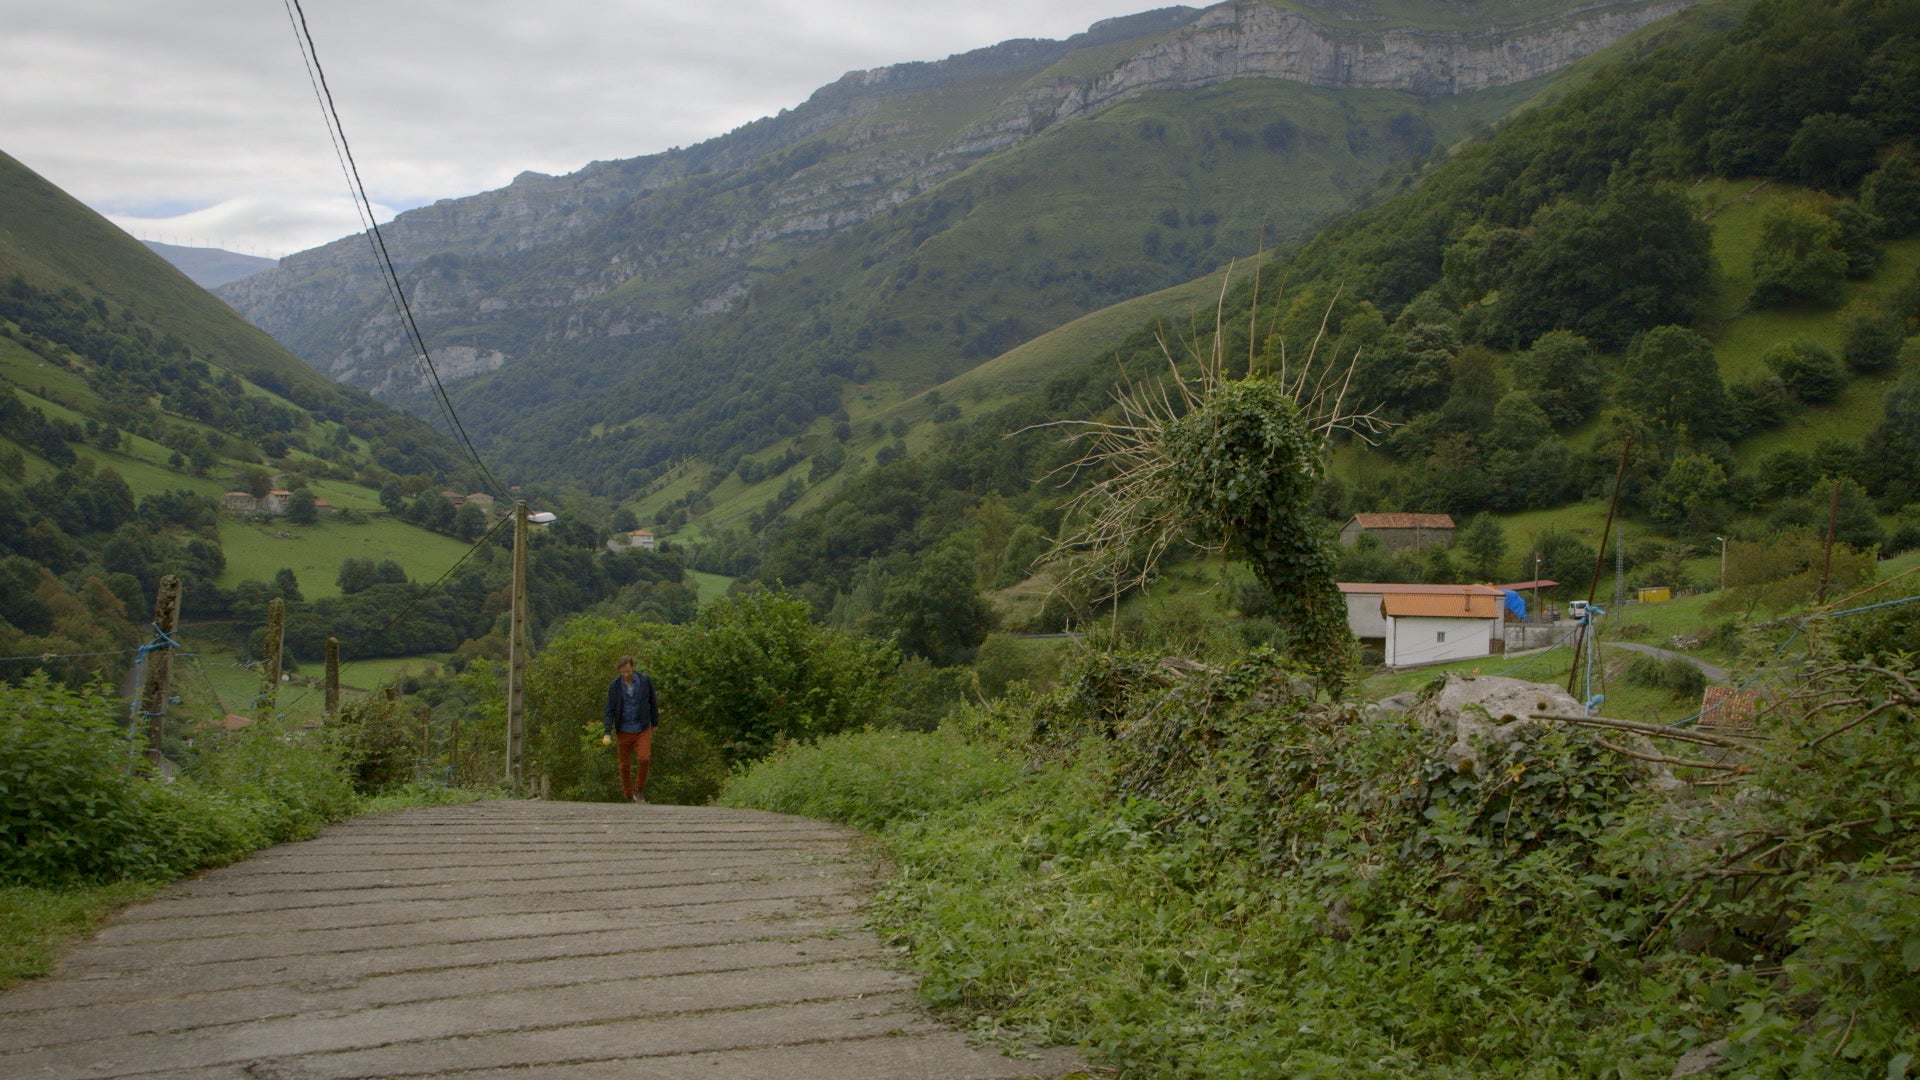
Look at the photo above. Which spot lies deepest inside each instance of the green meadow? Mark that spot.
(257, 548)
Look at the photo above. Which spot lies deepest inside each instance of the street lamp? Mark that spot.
(1536, 584)
(1723, 560)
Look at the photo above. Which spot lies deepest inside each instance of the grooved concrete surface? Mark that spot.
(503, 938)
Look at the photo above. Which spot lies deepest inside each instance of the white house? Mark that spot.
(1414, 625)
(638, 538)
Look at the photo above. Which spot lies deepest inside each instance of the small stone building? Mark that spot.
(1400, 532)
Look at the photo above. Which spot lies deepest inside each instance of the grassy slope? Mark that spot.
(1742, 336)
(1062, 189)
(52, 240)
(256, 549)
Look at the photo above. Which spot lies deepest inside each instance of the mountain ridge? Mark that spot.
(878, 154)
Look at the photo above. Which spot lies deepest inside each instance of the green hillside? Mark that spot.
(131, 403)
(54, 242)
(1502, 305)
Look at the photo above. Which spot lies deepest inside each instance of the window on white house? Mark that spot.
(1441, 636)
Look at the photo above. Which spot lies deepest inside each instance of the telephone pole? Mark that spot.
(517, 653)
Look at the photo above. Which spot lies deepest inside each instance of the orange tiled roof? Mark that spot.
(1408, 589)
(1463, 606)
(1723, 706)
(1404, 521)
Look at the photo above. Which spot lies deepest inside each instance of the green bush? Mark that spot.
(872, 779)
(378, 741)
(80, 807)
(1679, 677)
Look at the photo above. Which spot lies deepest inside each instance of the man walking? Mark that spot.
(631, 717)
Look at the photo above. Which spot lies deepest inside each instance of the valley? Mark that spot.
(973, 454)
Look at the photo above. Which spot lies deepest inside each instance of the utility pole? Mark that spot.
(1536, 584)
(333, 677)
(276, 633)
(153, 690)
(517, 653)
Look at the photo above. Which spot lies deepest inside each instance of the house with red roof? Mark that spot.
(1400, 531)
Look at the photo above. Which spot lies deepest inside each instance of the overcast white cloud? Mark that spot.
(194, 121)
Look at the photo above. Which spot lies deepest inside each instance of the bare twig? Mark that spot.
(1665, 760)
(1856, 721)
(1660, 731)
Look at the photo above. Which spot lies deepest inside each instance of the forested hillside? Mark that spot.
(1707, 248)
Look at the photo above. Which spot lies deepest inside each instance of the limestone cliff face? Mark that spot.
(1250, 40)
(630, 247)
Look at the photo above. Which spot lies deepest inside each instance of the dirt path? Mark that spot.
(1713, 672)
(544, 939)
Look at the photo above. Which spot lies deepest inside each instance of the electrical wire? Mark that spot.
(317, 75)
(69, 655)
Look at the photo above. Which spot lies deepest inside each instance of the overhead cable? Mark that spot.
(364, 206)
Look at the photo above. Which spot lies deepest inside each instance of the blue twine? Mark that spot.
(161, 640)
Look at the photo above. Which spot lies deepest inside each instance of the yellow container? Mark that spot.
(1655, 596)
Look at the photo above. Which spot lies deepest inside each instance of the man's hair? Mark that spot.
(625, 661)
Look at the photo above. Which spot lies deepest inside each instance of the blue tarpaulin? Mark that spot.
(1516, 604)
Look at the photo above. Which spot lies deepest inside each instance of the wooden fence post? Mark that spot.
(153, 691)
(276, 634)
(333, 677)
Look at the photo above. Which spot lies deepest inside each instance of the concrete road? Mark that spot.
(523, 938)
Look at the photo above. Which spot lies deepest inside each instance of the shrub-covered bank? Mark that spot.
(1201, 872)
(86, 826)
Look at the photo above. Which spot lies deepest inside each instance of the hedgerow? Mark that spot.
(78, 804)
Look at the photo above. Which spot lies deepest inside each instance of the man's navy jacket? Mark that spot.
(649, 713)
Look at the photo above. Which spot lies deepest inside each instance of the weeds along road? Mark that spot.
(549, 939)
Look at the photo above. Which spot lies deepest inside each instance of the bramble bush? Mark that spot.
(1201, 871)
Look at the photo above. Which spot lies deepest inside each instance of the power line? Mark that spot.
(363, 205)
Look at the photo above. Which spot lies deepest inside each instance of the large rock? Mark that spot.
(1482, 711)
(1486, 712)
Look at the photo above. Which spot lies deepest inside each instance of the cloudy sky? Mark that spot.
(194, 122)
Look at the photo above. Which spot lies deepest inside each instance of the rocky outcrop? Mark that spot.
(1481, 714)
(1250, 40)
(546, 258)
